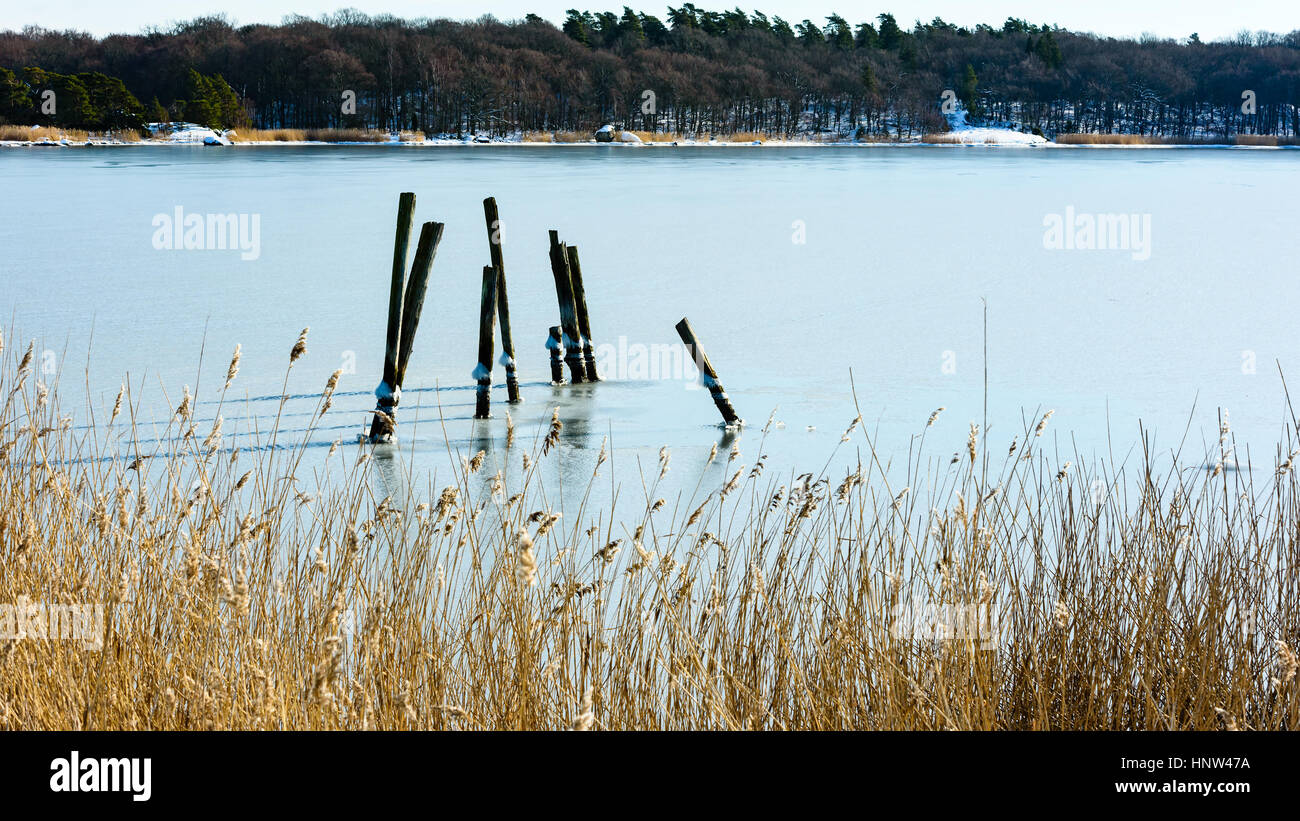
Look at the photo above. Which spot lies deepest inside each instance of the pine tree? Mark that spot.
(15, 102)
(866, 36)
(630, 26)
(869, 84)
(891, 36)
(1048, 51)
(576, 27)
(838, 33)
(967, 94)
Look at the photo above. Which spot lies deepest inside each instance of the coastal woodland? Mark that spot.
(682, 71)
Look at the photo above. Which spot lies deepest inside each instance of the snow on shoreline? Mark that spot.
(961, 134)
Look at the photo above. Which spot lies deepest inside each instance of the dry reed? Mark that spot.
(23, 133)
(324, 135)
(1129, 597)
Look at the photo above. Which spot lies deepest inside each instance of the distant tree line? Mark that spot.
(692, 71)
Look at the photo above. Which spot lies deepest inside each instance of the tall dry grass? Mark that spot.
(1264, 140)
(49, 133)
(324, 135)
(239, 596)
(25, 133)
(1152, 139)
(570, 137)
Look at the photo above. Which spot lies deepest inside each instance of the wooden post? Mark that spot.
(568, 311)
(556, 347)
(430, 236)
(386, 392)
(389, 393)
(708, 374)
(503, 303)
(584, 321)
(486, 329)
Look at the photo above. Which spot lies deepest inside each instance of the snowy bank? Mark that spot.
(961, 132)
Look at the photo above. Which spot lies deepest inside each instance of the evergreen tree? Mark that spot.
(71, 101)
(575, 26)
(869, 83)
(211, 102)
(1048, 51)
(866, 36)
(656, 33)
(15, 101)
(891, 36)
(713, 23)
(810, 34)
(112, 106)
(630, 27)
(838, 33)
(967, 92)
(736, 20)
(684, 17)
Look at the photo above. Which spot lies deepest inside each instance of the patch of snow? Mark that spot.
(966, 134)
(995, 136)
(190, 133)
(384, 391)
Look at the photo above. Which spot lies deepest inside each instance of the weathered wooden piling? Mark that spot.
(503, 302)
(708, 375)
(556, 347)
(486, 331)
(568, 311)
(416, 286)
(389, 391)
(584, 321)
(386, 392)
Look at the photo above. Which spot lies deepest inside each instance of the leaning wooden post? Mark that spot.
(386, 393)
(384, 424)
(568, 311)
(430, 236)
(708, 374)
(486, 328)
(503, 303)
(584, 322)
(556, 347)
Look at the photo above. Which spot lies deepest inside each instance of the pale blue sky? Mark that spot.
(1212, 19)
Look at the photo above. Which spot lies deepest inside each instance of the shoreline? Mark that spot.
(594, 143)
(961, 134)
